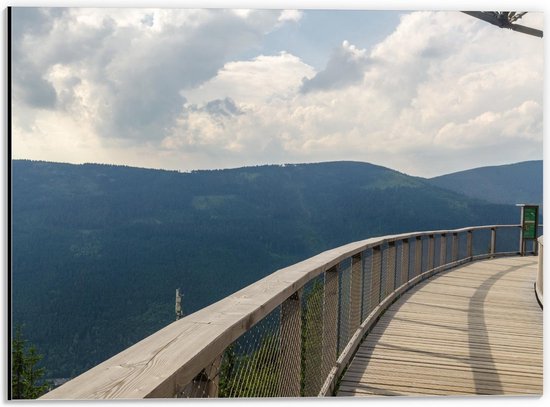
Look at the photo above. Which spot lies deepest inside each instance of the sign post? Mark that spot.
(529, 226)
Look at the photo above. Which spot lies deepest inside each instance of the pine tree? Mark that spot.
(33, 375)
(25, 375)
(18, 364)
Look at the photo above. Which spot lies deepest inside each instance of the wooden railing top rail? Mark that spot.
(161, 363)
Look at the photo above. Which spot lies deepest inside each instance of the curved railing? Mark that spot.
(538, 283)
(293, 332)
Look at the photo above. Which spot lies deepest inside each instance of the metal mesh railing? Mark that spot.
(293, 332)
(293, 350)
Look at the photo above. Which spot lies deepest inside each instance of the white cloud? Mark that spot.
(443, 92)
(290, 15)
(256, 81)
(345, 67)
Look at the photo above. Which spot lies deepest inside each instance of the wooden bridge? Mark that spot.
(450, 312)
(476, 329)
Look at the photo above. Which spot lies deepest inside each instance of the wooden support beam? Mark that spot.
(469, 239)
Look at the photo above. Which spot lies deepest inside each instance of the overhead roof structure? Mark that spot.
(505, 19)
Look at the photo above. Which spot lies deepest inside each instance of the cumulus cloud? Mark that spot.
(443, 92)
(345, 67)
(128, 65)
(258, 80)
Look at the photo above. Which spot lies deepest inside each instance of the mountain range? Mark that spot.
(98, 250)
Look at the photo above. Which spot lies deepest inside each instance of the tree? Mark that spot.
(18, 363)
(26, 376)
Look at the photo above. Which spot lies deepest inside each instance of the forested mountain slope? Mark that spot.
(98, 250)
(507, 184)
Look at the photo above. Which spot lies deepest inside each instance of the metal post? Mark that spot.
(469, 250)
(521, 241)
(493, 240)
(206, 383)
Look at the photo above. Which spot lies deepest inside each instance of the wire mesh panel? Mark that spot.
(461, 246)
(249, 367)
(454, 247)
(443, 249)
(412, 258)
(449, 249)
(481, 242)
(330, 320)
(367, 283)
(430, 253)
(313, 372)
(356, 292)
(425, 255)
(384, 272)
(398, 262)
(507, 240)
(376, 264)
(344, 285)
(390, 269)
(405, 260)
(437, 251)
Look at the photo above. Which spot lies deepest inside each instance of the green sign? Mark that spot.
(530, 222)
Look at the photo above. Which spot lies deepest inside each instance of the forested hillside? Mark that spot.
(507, 184)
(99, 250)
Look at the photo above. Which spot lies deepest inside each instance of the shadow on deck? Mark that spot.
(473, 330)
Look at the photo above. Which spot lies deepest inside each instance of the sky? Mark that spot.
(422, 92)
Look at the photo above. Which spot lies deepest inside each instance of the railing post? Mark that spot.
(390, 278)
(469, 251)
(330, 320)
(404, 261)
(355, 291)
(291, 346)
(431, 251)
(375, 277)
(454, 247)
(493, 240)
(418, 255)
(540, 272)
(443, 250)
(206, 383)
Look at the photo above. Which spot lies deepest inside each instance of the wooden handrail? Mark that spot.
(163, 363)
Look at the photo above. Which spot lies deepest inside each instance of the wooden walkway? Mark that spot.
(473, 330)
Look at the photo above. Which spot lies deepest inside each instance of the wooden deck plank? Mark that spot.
(473, 330)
